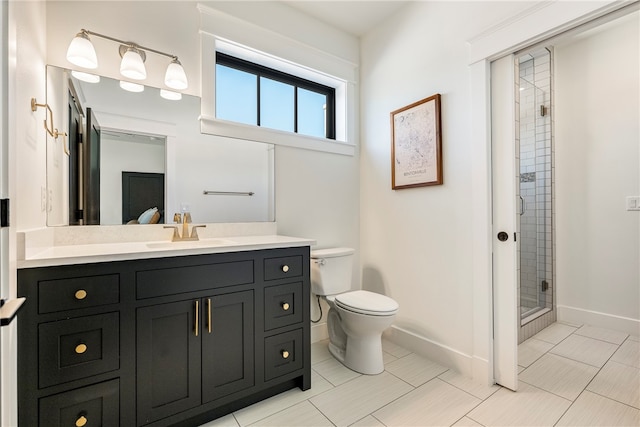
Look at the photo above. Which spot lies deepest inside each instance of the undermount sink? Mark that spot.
(186, 244)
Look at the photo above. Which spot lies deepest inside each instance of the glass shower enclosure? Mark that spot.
(535, 185)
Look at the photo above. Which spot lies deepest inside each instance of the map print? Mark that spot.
(416, 145)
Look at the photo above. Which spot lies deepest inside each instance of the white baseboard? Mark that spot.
(439, 353)
(319, 332)
(475, 367)
(601, 320)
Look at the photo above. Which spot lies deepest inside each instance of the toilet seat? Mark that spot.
(365, 302)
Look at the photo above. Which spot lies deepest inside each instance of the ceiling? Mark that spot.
(356, 17)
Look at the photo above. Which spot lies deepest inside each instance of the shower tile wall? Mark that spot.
(528, 223)
(536, 260)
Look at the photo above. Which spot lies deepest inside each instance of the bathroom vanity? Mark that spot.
(163, 336)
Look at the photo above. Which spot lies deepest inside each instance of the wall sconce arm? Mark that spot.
(48, 124)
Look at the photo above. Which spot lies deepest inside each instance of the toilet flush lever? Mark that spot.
(320, 261)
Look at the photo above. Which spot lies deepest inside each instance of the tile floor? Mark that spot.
(570, 375)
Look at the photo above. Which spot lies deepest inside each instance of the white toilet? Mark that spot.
(356, 319)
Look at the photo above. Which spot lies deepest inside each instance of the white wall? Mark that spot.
(597, 148)
(416, 243)
(26, 79)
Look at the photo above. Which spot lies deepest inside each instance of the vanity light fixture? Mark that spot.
(82, 53)
(175, 77)
(132, 65)
(131, 87)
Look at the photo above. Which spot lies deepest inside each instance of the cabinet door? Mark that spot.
(168, 363)
(227, 344)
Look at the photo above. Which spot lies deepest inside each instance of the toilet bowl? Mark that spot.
(356, 319)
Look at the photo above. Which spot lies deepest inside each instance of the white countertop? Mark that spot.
(105, 252)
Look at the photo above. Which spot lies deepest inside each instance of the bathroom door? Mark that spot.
(505, 261)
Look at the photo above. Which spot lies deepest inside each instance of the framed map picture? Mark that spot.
(416, 145)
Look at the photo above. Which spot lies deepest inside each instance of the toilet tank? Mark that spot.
(331, 270)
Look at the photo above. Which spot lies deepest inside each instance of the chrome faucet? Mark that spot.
(185, 219)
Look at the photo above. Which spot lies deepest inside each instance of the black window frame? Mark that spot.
(295, 81)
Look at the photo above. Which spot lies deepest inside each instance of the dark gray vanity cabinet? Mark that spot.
(160, 342)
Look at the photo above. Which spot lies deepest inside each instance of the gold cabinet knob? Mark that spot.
(81, 348)
(285, 354)
(285, 268)
(81, 294)
(285, 306)
(81, 421)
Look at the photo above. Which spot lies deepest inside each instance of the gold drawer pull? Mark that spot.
(209, 314)
(80, 295)
(285, 354)
(197, 320)
(81, 421)
(285, 306)
(81, 348)
(285, 268)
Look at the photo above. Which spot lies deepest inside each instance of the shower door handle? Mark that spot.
(522, 206)
(503, 236)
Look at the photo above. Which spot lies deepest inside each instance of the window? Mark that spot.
(253, 94)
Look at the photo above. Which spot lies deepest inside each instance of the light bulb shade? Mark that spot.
(81, 52)
(86, 77)
(131, 87)
(170, 95)
(175, 78)
(132, 65)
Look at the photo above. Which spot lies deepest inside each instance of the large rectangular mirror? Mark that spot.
(127, 152)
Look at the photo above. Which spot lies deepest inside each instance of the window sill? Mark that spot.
(213, 126)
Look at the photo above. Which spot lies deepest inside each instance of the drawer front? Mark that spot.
(77, 348)
(78, 292)
(171, 281)
(282, 267)
(282, 305)
(95, 405)
(282, 354)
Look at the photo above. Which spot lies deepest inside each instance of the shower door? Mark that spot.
(535, 186)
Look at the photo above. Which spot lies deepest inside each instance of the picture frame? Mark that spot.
(416, 144)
